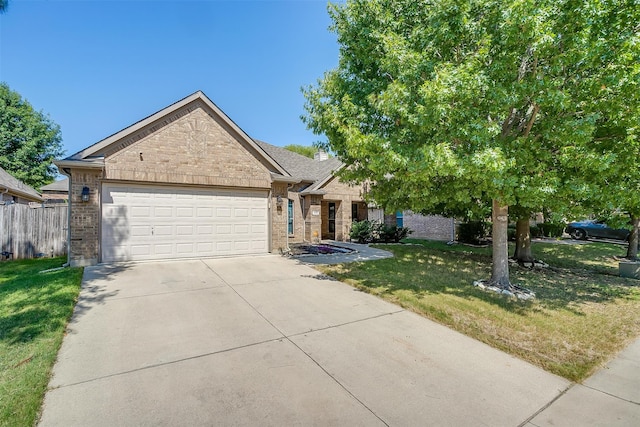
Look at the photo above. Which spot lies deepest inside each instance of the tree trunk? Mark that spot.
(523, 241)
(500, 265)
(632, 250)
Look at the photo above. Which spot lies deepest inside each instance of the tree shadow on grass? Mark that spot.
(33, 303)
(425, 271)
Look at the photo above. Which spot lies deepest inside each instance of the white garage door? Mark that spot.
(144, 223)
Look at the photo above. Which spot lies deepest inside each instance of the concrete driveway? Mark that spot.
(268, 341)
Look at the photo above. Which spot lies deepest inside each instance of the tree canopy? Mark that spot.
(442, 102)
(29, 140)
(304, 150)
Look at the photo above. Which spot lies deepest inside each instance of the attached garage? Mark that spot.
(142, 222)
(185, 182)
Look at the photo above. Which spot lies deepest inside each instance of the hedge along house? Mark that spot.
(188, 182)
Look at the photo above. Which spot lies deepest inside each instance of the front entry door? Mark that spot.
(332, 220)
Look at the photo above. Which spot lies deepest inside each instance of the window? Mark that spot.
(354, 211)
(399, 219)
(332, 218)
(290, 217)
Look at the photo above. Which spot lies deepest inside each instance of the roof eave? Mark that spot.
(286, 179)
(79, 164)
(313, 193)
(328, 177)
(17, 192)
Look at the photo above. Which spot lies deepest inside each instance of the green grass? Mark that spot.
(582, 316)
(34, 310)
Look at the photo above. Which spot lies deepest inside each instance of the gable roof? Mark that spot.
(93, 156)
(12, 184)
(302, 167)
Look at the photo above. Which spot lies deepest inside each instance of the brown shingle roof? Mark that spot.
(16, 186)
(299, 166)
(62, 185)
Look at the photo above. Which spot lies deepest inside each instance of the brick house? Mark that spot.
(12, 190)
(56, 192)
(188, 182)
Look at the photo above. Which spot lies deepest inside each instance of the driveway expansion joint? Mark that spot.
(551, 402)
(170, 362)
(611, 394)
(344, 324)
(349, 392)
(307, 354)
(166, 293)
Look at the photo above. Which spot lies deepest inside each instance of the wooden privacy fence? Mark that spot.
(30, 232)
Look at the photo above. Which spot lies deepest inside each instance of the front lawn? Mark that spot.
(582, 316)
(34, 310)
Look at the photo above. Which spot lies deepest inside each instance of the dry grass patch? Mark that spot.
(582, 316)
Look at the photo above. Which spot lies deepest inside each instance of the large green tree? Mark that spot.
(608, 175)
(442, 102)
(29, 140)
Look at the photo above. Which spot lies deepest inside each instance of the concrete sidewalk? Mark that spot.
(269, 341)
(611, 397)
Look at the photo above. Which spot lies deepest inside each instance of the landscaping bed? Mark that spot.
(306, 249)
(583, 313)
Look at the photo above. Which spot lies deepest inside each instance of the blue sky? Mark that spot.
(95, 67)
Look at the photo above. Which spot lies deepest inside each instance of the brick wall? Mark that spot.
(85, 217)
(278, 218)
(298, 219)
(313, 218)
(191, 148)
(433, 227)
(343, 195)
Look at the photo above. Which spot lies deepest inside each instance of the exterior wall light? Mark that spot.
(85, 194)
(279, 201)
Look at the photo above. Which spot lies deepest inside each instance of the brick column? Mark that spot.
(278, 217)
(340, 213)
(84, 231)
(315, 219)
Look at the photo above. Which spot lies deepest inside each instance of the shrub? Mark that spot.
(535, 231)
(372, 232)
(551, 229)
(393, 233)
(364, 231)
(474, 232)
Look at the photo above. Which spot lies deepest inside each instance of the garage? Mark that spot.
(141, 222)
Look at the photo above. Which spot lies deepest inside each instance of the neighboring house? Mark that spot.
(188, 182)
(56, 192)
(12, 190)
(432, 227)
